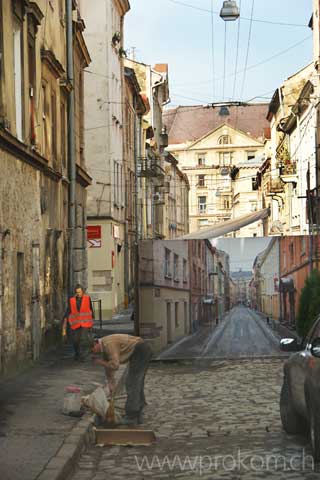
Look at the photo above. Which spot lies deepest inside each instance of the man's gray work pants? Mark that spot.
(138, 366)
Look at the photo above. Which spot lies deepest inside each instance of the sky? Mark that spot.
(242, 251)
(169, 31)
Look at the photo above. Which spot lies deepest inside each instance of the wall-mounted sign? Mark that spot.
(116, 231)
(94, 243)
(94, 236)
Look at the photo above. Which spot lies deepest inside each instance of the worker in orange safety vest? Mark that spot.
(79, 318)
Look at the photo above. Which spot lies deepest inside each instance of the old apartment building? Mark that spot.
(43, 181)
(220, 151)
(104, 97)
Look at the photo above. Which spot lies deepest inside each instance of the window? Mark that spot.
(291, 250)
(45, 120)
(303, 246)
(167, 266)
(201, 159)
(32, 83)
(81, 116)
(54, 128)
(224, 140)
(199, 277)
(203, 222)
(254, 183)
(19, 290)
(63, 143)
(18, 76)
(176, 314)
(225, 158)
(251, 155)
(184, 273)
(176, 267)
(201, 181)
(225, 203)
(202, 204)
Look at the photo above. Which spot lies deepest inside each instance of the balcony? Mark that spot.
(288, 169)
(150, 167)
(274, 185)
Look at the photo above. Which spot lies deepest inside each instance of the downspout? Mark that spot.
(2, 234)
(71, 145)
(137, 155)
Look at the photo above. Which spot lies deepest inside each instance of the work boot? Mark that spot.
(126, 420)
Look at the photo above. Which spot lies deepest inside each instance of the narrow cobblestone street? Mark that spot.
(229, 408)
(241, 333)
(213, 418)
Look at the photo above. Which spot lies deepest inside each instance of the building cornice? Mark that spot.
(83, 177)
(123, 6)
(83, 48)
(23, 152)
(35, 13)
(49, 59)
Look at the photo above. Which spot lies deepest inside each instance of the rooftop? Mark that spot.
(188, 123)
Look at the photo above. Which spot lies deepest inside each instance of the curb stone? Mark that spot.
(61, 466)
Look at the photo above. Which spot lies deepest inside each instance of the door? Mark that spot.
(169, 324)
(35, 301)
(186, 320)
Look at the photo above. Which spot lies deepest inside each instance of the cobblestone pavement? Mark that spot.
(215, 422)
(240, 334)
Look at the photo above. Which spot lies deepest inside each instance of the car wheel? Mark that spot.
(292, 422)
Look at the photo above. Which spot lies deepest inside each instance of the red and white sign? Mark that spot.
(94, 236)
(93, 232)
(94, 243)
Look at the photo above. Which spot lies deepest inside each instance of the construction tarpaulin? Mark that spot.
(228, 226)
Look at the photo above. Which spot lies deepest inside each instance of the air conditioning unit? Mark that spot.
(158, 198)
(224, 171)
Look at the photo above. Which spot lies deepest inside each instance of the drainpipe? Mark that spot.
(137, 155)
(1, 282)
(71, 146)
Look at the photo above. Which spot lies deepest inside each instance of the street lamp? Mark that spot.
(229, 11)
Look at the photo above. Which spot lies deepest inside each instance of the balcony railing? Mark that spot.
(150, 167)
(275, 185)
(288, 169)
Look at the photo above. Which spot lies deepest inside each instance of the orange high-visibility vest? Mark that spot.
(84, 317)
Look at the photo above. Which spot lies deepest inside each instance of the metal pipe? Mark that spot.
(137, 155)
(71, 146)
(1, 282)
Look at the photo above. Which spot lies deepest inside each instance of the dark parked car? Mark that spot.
(300, 394)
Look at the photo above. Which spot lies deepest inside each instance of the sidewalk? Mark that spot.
(36, 440)
(282, 330)
(120, 323)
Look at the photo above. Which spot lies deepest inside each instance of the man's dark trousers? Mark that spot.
(138, 366)
(81, 341)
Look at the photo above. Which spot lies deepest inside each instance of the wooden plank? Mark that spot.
(124, 436)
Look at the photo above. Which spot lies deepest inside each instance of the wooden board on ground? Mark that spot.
(124, 436)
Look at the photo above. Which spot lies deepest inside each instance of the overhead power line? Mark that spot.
(237, 56)
(212, 53)
(247, 54)
(263, 62)
(285, 24)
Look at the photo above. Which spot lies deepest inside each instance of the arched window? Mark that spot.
(224, 140)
